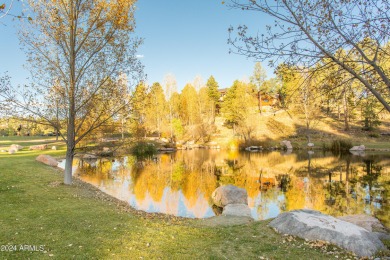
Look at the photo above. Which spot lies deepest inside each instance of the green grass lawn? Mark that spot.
(81, 222)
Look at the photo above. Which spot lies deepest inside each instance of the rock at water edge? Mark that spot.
(229, 194)
(286, 144)
(238, 210)
(358, 148)
(313, 225)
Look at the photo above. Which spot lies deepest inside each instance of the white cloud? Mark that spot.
(139, 56)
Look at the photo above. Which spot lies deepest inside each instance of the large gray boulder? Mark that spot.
(238, 210)
(47, 159)
(368, 222)
(313, 225)
(229, 194)
(365, 221)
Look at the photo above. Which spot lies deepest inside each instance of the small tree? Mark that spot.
(157, 108)
(213, 93)
(170, 87)
(258, 79)
(238, 105)
(82, 46)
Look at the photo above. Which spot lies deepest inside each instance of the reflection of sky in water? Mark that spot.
(271, 209)
(61, 164)
(173, 202)
(186, 199)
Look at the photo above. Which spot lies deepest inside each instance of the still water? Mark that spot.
(181, 183)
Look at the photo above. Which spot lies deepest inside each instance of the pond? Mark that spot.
(181, 183)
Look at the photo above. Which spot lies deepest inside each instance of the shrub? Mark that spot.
(374, 135)
(144, 150)
(340, 145)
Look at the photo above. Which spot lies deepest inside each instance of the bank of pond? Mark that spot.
(181, 183)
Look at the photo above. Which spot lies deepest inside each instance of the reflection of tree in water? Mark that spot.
(176, 172)
(383, 211)
(267, 198)
(353, 187)
(370, 181)
(284, 182)
(99, 168)
(333, 185)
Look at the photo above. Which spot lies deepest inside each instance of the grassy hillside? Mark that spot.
(271, 127)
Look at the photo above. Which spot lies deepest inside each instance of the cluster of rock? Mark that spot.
(166, 149)
(189, 145)
(38, 147)
(253, 148)
(14, 148)
(313, 225)
(233, 200)
(285, 145)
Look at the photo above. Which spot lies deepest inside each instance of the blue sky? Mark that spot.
(185, 38)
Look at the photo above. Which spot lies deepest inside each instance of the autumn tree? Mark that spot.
(206, 125)
(56, 95)
(139, 104)
(198, 83)
(80, 45)
(238, 105)
(157, 108)
(258, 79)
(170, 87)
(213, 93)
(301, 95)
(308, 103)
(189, 105)
(305, 32)
(336, 88)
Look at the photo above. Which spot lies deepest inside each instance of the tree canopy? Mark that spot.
(83, 48)
(305, 33)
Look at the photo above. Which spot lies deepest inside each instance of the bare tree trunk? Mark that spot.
(57, 120)
(308, 132)
(347, 176)
(123, 128)
(70, 144)
(259, 95)
(68, 165)
(345, 107)
(338, 112)
(213, 111)
(170, 120)
(71, 136)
